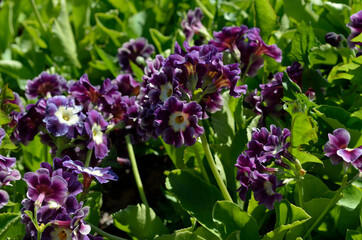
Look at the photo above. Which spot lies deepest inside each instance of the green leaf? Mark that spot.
(229, 218)
(161, 41)
(3, 118)
(305, 157)
(94, 201)
(34, 154)
(176, 154)
(137, 71)
(266, 19)
(195, 196)
(110, 24)
(6, 143)
(302, 43)
(353, 235)
(62, 42)
(357, 39)
(140, 222)
(352, 197)
(6, 32)
(81, 16)
(11, 226)
(14, 69)
(108, 61)
(135, 24)
(288, 217)
(300, 11)
(303, 130)
(183, 235)
(324, 54)
(313, 187)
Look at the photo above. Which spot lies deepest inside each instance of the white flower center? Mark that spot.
(179, 121)
(53, 205)
(94, 172)
(97, 133)
(268, 188)
(61, 234)
(67, 115)
(166, 91)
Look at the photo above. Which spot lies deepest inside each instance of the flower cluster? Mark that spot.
(337, 149)
(246, 46)
(51, 198)
(264, 147)
(356, 29)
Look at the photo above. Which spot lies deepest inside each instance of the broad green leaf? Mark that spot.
(266, 19)
(305, 157)
(303, 130)
(3, 118)
(62, 42)
(81, 14)
(290, 88)
(34, 154)
(6, 143)
(357, 39)
(140, 222)
(35, 33)
(7, 30)
(110, 24)
(229, 218)
(288, 217)
(354, 235)
(135, 24)
(299, 11)
(137, 71)
(206, 234)
(176, 154)
(302, 43)
(161, 41)
(324, 54)
(194, 151)
(108, 61)
(124, 6)
(94, 201)
(11, 226)
(184, 235)
(14, 69)
(352, 197)
(313, 187)
(195, 196)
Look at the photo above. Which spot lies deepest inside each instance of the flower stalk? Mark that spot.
(135, 170)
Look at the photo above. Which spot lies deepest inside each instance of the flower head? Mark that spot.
(127, 85)
(44, 85)
(178, 122)
(192, 24)
(356, 28)
(63, 117)
(95, 126)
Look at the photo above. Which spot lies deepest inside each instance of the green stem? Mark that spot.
(32, 2)
(334, 200)
(201, 164)
(214, 170)
(299, 186)
(89, 156)
(103, 233)
(135, 170)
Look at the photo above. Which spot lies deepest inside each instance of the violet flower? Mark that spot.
(264, 187)
(356, 28)
(95, 126)
(192, 24)
(63, 117)
(4, 198)
(127, 85)
(43, 187)
(134, 50)
(178, 122)
(103, 175)
(45, 85)
(337, 148)
(245, 166)
(228, 38)
(2, 134)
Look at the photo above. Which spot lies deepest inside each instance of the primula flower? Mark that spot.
(295, 73)
(264, 187)
(127, 85)
(63, 117)
(228, 37)
(103, 175)
(356, 28)
(45, 85)
(192, 24)
(6, 163)
(125, 110)
(245, 166)
(337, 148)
(134, 50)
(95, 126)
(178, 122)
(4, 198)
(43, 187)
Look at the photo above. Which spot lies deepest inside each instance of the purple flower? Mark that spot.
(337, 148)
(103, 175)
(95, 126)
(43, 187)
(333, 39)
(28, 123)
(178, 122)
(146, 120)
(44, 85)
(125, 110)
(134, 50)
(127, 85)
(152, 66)
(63, 117)
(295, 73)
(356, 28)
(4, 198)
(192, 24)
(252, 47)
(6, 163)
(264, 187)
(2, 134)
(228, 37)
(90, 96)
(271, 95)
(245, 166)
